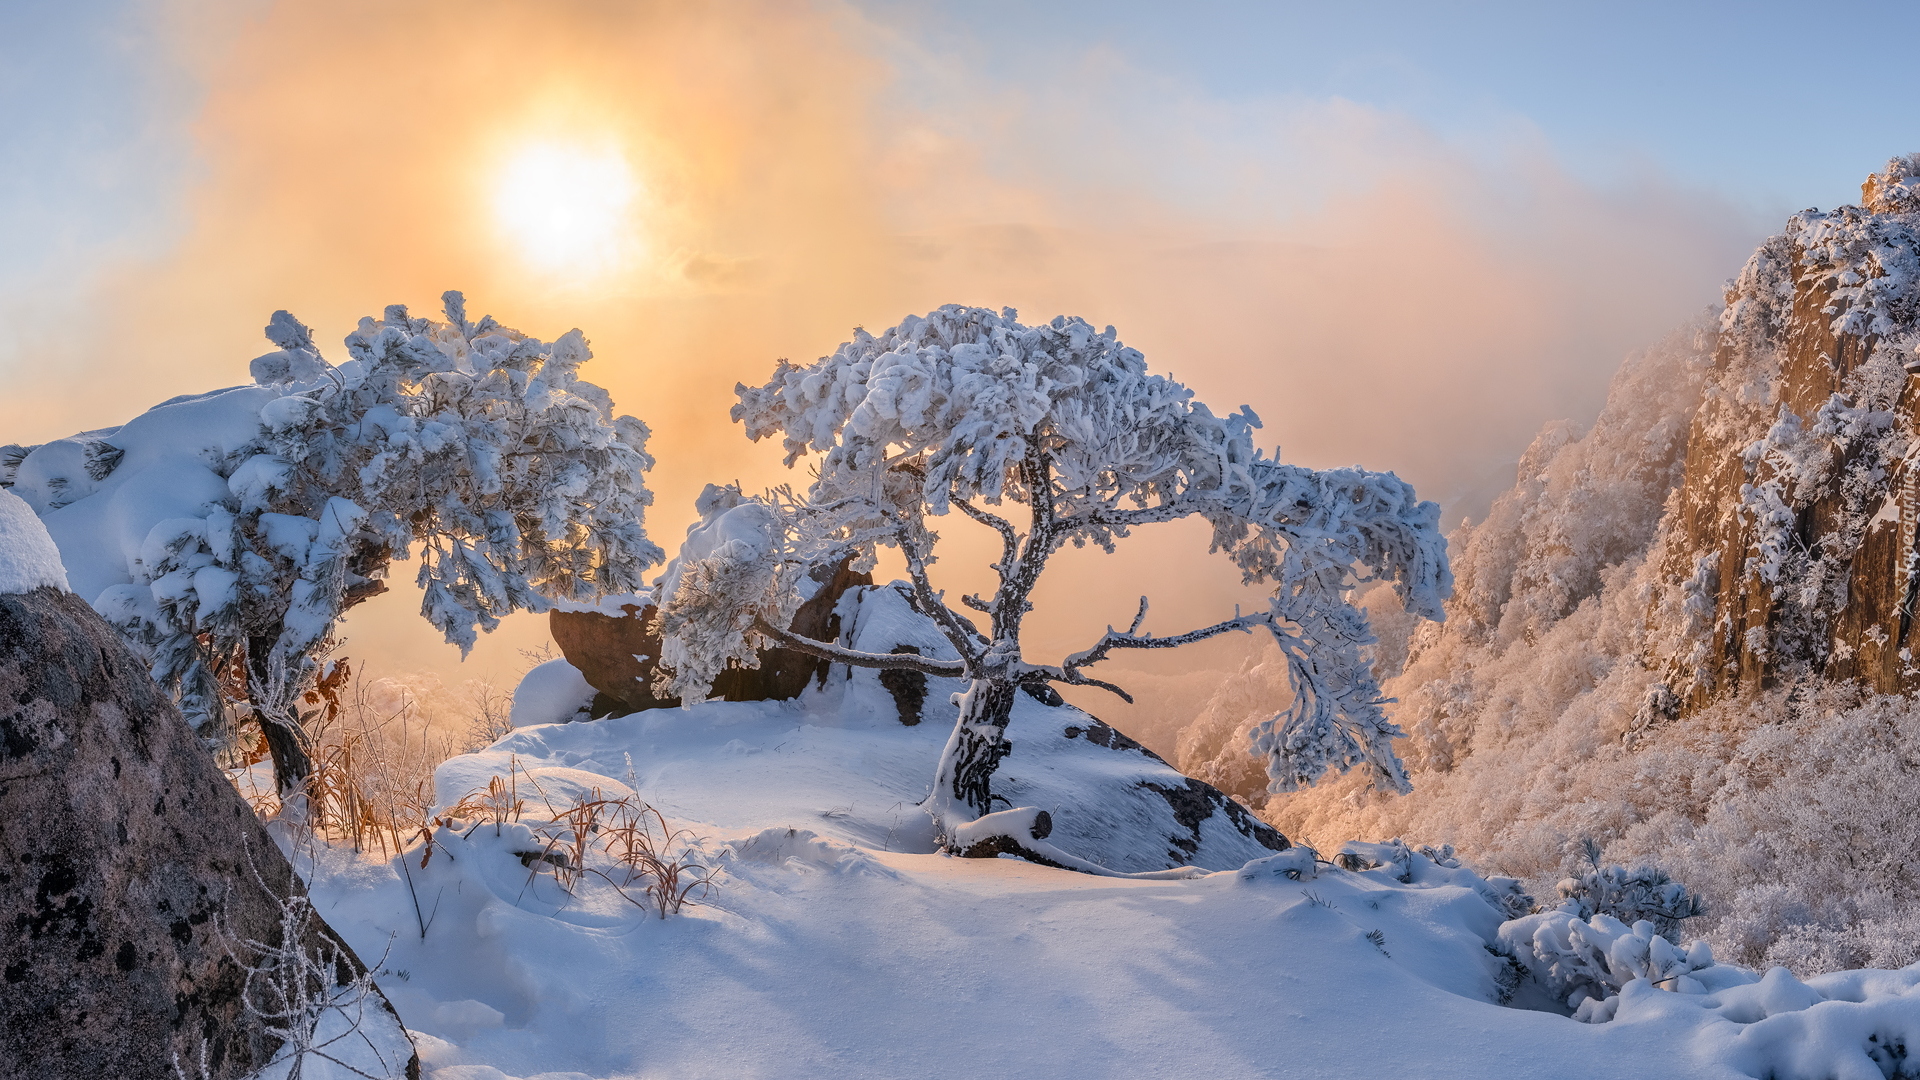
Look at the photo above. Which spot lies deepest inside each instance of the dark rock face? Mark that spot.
(908, 689)
(608, 651)
(1790, 549)
(127, 865)
(1194, 802)
(1100, 733)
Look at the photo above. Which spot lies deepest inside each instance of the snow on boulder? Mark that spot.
(28, 557)
(883, 621)
(1113, 802)
(616, 643)
(551, 693)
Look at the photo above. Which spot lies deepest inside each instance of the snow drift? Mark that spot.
(835, 943)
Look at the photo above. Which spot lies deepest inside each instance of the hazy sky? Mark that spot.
(1406, 236)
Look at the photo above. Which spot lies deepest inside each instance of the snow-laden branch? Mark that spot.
(963, 635)
(800, 643)
(1009, 539)
(1114, 639)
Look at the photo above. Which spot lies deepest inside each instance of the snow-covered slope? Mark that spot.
(102, 493)
(833, 944)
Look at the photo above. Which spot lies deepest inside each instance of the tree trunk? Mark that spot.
(963, 785)
(279, 721)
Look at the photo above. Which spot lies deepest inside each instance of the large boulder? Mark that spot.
(618, 651)
(1116, 803)
(132, 873)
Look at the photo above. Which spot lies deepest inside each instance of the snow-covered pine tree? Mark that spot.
(968, 409)
(473, 443)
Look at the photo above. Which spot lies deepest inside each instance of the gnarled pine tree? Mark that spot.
(970, 410)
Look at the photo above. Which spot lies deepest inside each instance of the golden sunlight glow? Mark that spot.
(568, 208)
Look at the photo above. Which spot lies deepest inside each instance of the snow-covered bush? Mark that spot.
(736, 566)
(968, 409)
(1642, 894)
(226, 533)
(1586, 962)
(1407, 865)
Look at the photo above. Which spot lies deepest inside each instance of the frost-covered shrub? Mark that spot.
(738, 566)
(1585, 962)
(1409, 865)
(259, 514)
(1642, 894)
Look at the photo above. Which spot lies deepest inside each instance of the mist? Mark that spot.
(1380, 293)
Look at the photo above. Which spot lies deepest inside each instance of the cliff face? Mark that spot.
(1790, 546)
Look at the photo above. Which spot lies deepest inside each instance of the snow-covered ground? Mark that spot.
(835, 944)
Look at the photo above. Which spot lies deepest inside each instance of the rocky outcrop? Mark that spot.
(618, 654)
(1789, 551)
(131, 872)
(1113, 802)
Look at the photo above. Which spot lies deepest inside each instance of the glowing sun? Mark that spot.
(568, 208)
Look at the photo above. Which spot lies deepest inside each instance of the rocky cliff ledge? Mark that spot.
(1790, 548)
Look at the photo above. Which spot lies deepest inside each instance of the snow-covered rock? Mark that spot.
(1115, 803)
(28, 557)
(551, 693)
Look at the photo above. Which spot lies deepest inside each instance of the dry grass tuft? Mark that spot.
(374, 746)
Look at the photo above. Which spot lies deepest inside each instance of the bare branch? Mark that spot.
(1075, 678)
(1112, 639)
(961, 633)
(973, 601)
(1009, 536)
(1140, 617)
(800, 643)
(987, 517)
(1116, 518)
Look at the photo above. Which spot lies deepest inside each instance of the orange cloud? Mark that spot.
(1379, 296)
